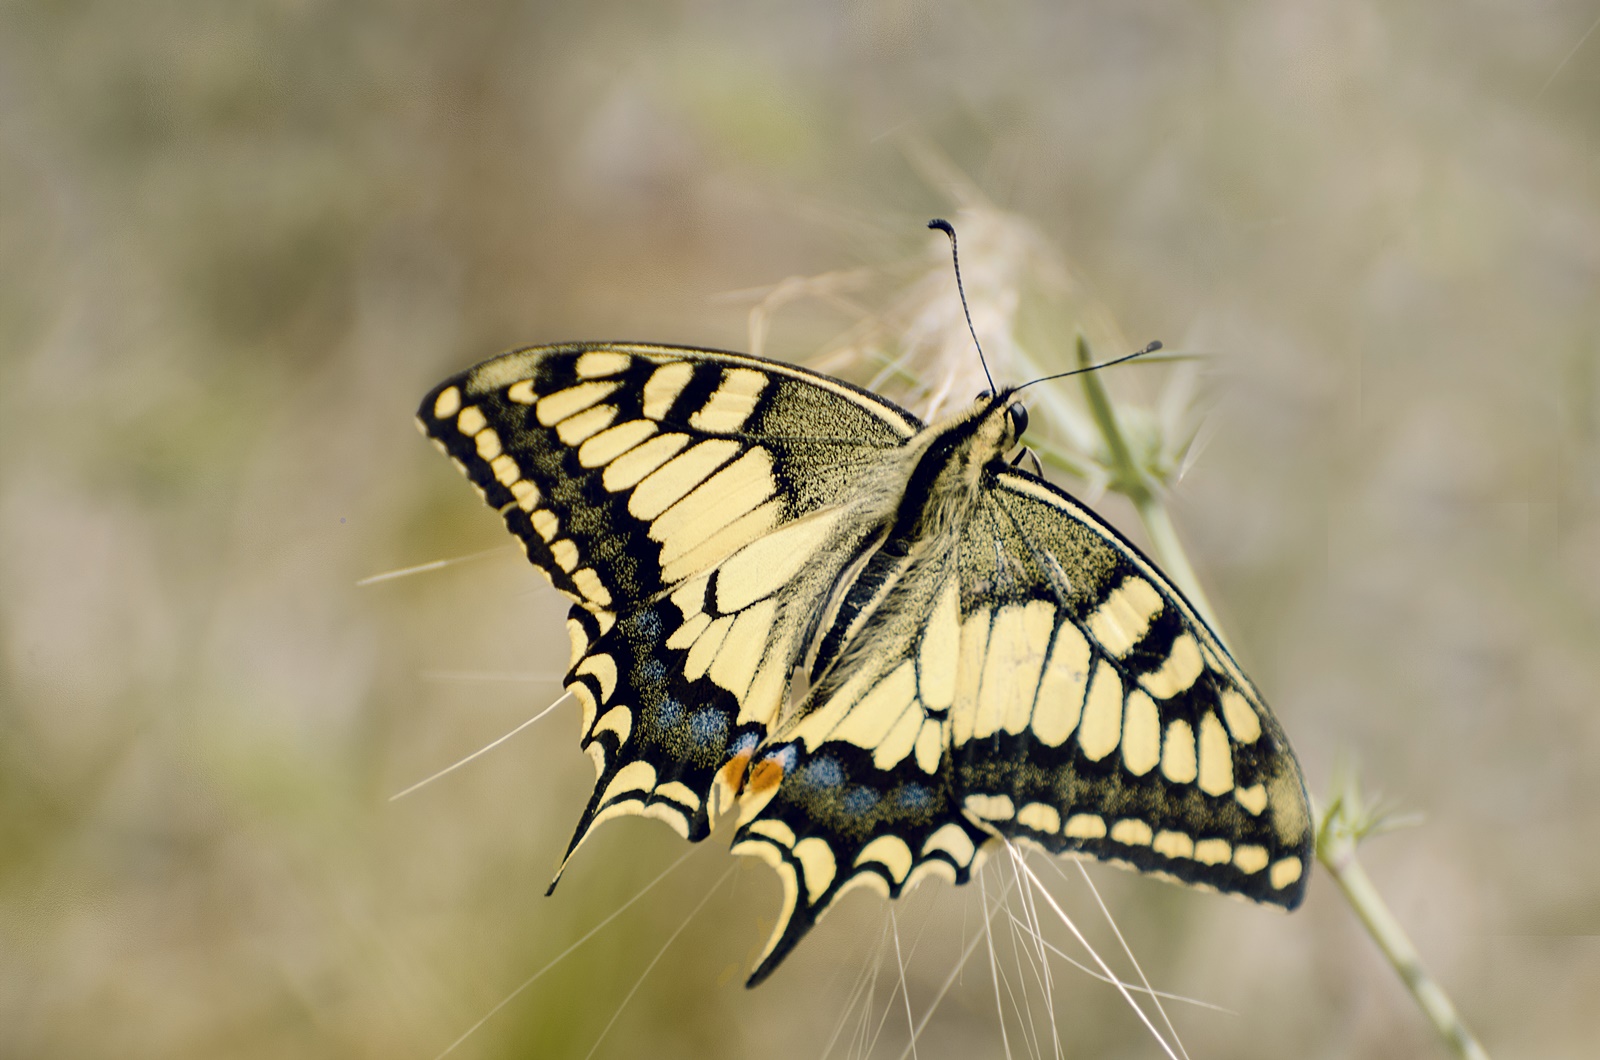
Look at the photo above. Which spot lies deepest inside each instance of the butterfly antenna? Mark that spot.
(955, 259)
(1152, 348)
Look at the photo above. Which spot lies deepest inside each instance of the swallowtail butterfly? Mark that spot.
(875, 640)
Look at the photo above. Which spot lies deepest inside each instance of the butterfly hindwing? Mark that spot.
(1107, 719)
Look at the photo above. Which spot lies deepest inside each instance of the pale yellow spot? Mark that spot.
(447, 404)
(1216, 757)
(1213, 851)
(766, 692)
(940, 650)
(974, 644)
(930, 745)
(1177, 753)
(870, 881)
(690, 597)
(1036, 622)
(471, 421)
(1061, 689)
(1141, 733)
(817, 864)
(521, 392)
(526, 493)
(586, 702)
(1124, 618)
(743, 530)
(760, 568)
(597, 755)
(1290, 814)
(1102, 714)
(891, 852)
(668, 484)
(679, 792)
(1131, 833)
(613, 442)
(741, 650)
(673, 817)
(586, 424)
(604, 670)
(1173, 845)
(618, 720)
(545, 523)
(933, 867)
(716, 502)
(773, 829)
(664, 386)
(1084, 826)
(767, 852)
(598, 364)
(990, 807)
(566, 553)
(1041, 817)
(1250, 859)
(553, 408)
(1285, 871)
(1183, 664)
(589, 584)
(505, 469)
(953, 840)
(704, 651)
(488, 443)
(633, 777)
(901, 739)
(690, 631)
(626, 470)
(579, 639)
(869, 722)
(1253, 798)
(1241, 717)
(732, 403)
(1000, 672)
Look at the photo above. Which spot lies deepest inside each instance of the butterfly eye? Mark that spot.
(1019, 419)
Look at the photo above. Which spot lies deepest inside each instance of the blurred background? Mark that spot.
(239, 241)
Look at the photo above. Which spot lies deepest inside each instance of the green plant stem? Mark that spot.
(1339, 858)
(1336, 844)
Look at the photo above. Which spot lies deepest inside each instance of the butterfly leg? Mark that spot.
(1027, 453)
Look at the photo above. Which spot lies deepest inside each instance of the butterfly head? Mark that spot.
(1003, 417)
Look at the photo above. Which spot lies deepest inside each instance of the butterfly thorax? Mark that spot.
(948, 475)
(938, 481)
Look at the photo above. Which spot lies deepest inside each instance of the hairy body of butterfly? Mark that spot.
(875, 639)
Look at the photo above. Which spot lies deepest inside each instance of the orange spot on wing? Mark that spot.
(765, 777)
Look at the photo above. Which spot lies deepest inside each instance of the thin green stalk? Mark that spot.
(1339, 858)
(1346, 821)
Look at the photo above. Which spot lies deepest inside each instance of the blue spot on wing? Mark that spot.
(822, 772)
(913, 797)
(668, 712)
(859, 801)
(708, 728)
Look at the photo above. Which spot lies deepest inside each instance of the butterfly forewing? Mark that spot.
(1107, 719)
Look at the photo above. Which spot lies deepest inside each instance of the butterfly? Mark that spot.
(877, 641)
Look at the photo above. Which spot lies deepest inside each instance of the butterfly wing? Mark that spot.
(1044, 682)
(633, 475)
(1107, 720)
